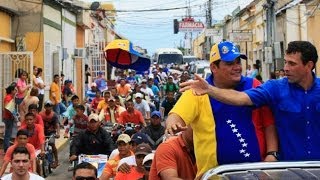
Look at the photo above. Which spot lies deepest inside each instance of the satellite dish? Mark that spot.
(94, 6)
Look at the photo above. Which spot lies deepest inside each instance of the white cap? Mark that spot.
(148, 158)
(139, 95)
(94, 117)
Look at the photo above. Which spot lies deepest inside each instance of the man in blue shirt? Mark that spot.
(294, 100)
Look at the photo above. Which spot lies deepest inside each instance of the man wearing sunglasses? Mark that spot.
(85, 171)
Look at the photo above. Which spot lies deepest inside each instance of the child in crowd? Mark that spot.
(78, 122)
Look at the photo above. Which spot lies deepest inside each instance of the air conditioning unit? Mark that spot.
(79, 53)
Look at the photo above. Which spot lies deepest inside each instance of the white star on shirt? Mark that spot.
(232, 125)
(238, 135)
(244, 145)
(246, 154)
(229, 121)
(234, 130)
(241, 140)
(242, 151)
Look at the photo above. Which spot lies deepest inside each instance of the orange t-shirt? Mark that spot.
(173, 154)
(111, 166)
(38, 120)
(37, 136)
(134, 174)
(123, 90)
(30, 148)
(55, 91)
(135, 117)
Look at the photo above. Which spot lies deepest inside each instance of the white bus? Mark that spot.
(168, 56)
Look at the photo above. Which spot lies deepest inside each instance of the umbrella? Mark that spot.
(120, 53)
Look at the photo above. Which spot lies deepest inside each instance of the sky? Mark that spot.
(152, 30)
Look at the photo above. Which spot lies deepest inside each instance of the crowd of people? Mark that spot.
(136, 105)
(151, 130)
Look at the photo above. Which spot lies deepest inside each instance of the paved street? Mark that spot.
(62, 171)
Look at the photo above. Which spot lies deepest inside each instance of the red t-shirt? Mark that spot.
(135, 117)
(6, 113)
(95, 102)
(262, 118)
(36, 137)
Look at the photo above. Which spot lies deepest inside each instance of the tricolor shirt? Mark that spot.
(224, 134)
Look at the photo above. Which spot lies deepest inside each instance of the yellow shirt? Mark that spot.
(199, 115)
(102, 105)
(55, 91)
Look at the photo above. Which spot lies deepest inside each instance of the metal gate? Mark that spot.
(10, 64)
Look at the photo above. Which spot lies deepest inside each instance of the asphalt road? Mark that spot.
(62, 171)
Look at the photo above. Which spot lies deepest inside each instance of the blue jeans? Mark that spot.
(8, 132)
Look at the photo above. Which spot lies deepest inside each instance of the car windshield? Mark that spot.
(170, 58)
(189, 59)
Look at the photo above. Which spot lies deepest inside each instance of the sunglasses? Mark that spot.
(85, 178)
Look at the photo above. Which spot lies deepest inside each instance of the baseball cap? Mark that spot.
(124, 137)
(139, 95)
(94, 117)
(225, 51)
(48, 103)
(143, 81)
(93, 84)
(148, 157)
(139, 138)
(144, 149)
(156, 113)
(111, 99)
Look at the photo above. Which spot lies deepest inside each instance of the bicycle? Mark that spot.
(48, 158)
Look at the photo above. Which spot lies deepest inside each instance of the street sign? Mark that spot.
(189, 25)
(212, 32)
(241, 36)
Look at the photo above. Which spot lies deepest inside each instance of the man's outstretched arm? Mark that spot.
(199, 87)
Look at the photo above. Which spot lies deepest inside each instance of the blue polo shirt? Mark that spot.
(297, 116)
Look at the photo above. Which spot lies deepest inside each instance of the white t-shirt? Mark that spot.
(40, 81)
(147, 91)
(143, 107)
(32, 177)
(114, 153)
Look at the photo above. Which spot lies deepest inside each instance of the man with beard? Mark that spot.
(249, 131)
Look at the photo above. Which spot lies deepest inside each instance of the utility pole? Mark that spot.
(209, 24)
(271, 18)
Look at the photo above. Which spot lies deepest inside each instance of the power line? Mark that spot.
(151, 10)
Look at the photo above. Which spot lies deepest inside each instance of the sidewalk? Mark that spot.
(60, 143)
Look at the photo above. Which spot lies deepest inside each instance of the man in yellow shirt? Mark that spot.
(55, 94)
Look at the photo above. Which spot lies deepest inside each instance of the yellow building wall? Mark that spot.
(34, 43)
(80, 35)
(5, 31)
(313, 35)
